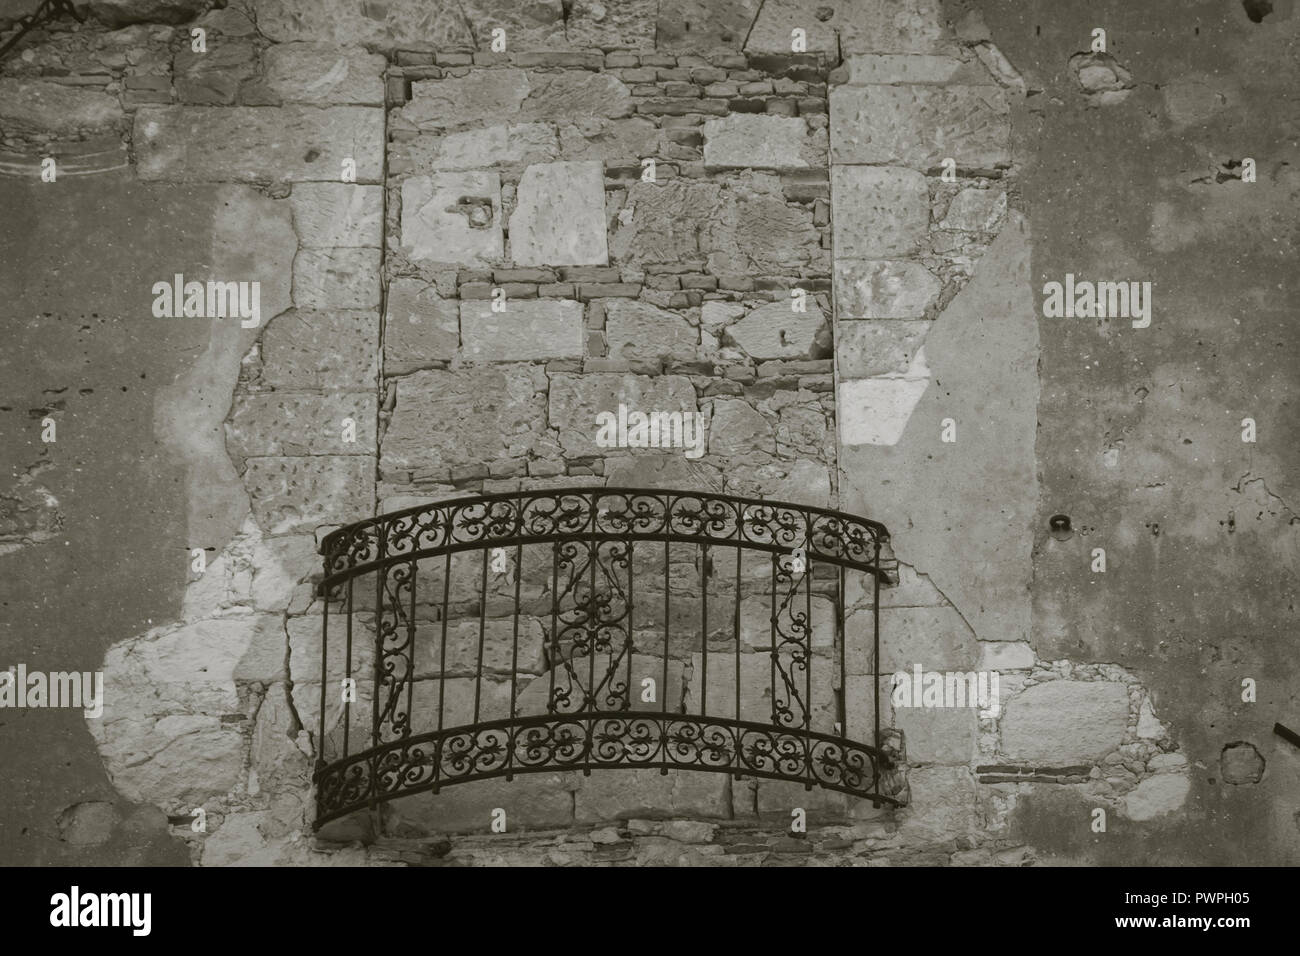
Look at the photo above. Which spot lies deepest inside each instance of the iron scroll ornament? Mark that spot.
(583, 714)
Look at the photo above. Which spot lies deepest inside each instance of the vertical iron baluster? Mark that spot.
(875, 667)
(514, 654)
(843, 637)
(704, 630)
(771, 651)
(808, 637)
(482, 625)
(347, 673)
(553, 662)
(380, 577)
(663, 688)
(736, 628)
(324, 666)
(410, 673)
(442, 650)
(593, 556)
(631, 603)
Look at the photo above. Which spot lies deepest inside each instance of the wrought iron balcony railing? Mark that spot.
(579, 629)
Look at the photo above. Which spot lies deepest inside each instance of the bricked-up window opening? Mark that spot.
(505, 634)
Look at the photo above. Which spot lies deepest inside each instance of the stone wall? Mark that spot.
(465, 257)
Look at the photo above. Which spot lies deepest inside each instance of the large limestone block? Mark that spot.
(883, 288)
(37, 106)
(326, 215)
(776, 331)
(879, 211)
(297, 423)
(757, 141)
(939, 735)
(453, 217)
(704, 26)
(935, 637)
(258, 144)
(338, 278)
(866, 349)
(1064, 722)
(444, 419)
(321, 350)
(975, 210)
(576, 96)
(528, 330)
(419, 326)
(1155, 796)
(920, 126)
(559, 216)
(576, 400)
(299, 494)
(762, 683)
(322, 73)
(638, 330)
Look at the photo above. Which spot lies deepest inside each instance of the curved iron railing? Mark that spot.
(581, 628)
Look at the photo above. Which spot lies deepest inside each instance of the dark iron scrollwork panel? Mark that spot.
(535, 657)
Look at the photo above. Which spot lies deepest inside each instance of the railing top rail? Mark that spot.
(503, 519)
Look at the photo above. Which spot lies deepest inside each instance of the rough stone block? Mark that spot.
(296, 423)
(454, 101)
(638, 330)
(453, 217)
(299, 494)
(479, 148)
(935, 637)
(1006, 655)
(321, 350)
(883, 288)
(530, 800)
(446, 419)
(629, 25)
(865, 349)
(737, 428)
(398, 24)
(756, 689)
(35, 106)
(258, 144)
(1064, 721)
(976, 210)
(326, 215)
(325, 74)
(528, 330)
(741, 227)
(920, 126)
(944, 805)
(213, 78)
(942, 735)
(875, 411)
(757, 141)
(419, 326)
(776, 331)
(559, 216)
(879, 211)
(338, 278)
(575, 401)
(576, 96)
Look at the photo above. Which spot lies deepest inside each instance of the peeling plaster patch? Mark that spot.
(253, 239)
(875, 411)
(1241, 763)
(1156, 796)
(983, 352)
